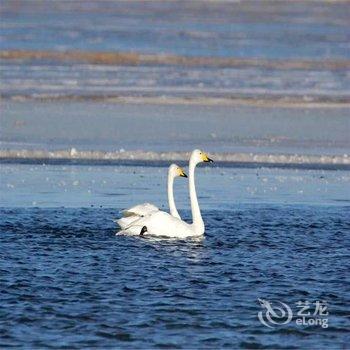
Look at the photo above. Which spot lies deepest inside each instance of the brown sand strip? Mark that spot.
(124, 58)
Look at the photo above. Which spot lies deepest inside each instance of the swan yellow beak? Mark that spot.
(205, 158)
(182, 173)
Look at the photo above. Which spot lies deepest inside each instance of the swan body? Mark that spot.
(160, 223)
(142, 210)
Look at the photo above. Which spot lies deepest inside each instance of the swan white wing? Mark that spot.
(127, 221)
(134, 213)
(140, 210)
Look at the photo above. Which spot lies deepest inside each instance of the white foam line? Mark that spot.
(279, 159)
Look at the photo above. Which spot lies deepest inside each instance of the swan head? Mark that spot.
(175, 171)
(199, 156)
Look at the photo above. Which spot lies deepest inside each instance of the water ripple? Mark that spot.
(68, 281)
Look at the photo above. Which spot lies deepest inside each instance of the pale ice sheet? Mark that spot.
(162, 128)
(123, 186)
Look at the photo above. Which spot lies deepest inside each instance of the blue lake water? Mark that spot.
(266, 29)
(68, 281)
(265, 82)
(277, 50)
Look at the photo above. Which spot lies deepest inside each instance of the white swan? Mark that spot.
(174, 171)
(142, 210)
(160, 223)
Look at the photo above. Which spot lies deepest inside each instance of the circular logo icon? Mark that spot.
(274, 314)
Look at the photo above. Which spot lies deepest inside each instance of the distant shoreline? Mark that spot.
(266, 101)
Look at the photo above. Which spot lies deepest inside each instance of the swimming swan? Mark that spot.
(141, 210)
(160, 223)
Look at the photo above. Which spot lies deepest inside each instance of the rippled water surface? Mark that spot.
(277, 51)
(264, 79)
(67, 280)
(211, 28)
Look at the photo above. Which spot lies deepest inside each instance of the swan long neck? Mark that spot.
(171, 201)
(196, 213)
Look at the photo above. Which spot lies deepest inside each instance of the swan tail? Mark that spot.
(139, 210)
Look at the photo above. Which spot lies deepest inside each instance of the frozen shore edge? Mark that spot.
(158, 158)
